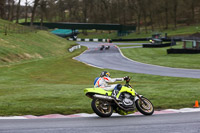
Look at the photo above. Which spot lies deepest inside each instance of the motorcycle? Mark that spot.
(126, 101)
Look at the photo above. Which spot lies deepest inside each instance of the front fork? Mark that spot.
(140, 98)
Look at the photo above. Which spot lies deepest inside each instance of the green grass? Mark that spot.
(56, 84)
(53, 82)
(20, 47)
(159, 56)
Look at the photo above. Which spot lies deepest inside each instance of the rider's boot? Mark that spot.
(114, 94)
(116, 91)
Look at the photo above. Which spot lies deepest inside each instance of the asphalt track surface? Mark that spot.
(114, 59)
(165, 123)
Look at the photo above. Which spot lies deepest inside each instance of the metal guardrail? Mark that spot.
(90, 40)
(147, 39)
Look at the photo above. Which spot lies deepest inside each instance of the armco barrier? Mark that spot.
(74, 48)
(157, 45)
(128, 40)
(183, 51)
(146, 39)
(90, 40)
(122, 40)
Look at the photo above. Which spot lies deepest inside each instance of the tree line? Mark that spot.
(149, 14)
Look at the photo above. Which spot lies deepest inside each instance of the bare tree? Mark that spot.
(166, 8)
(145, 13)
(190, 7)
(26, 10)
(43, 6)
(174, 8)
(36, 3)
(61, 10)
(150, 14)
(135, 5)
(85, 10)
(2, 8)
(8, 9)
(12, 9)
(18, 11)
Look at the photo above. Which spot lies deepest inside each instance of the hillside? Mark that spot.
(20, 45)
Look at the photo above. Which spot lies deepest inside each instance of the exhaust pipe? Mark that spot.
(108, 98)
(103, 97)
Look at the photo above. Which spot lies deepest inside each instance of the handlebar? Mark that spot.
(127, 81)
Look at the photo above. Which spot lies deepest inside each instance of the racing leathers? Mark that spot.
(102, 82)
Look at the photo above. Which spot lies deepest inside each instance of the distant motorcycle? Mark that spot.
(102, 47)
(106, 47)
(126, 101)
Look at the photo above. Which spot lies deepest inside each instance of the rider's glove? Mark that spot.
(126, 78)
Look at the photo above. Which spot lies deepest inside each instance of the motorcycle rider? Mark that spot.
(104, 79)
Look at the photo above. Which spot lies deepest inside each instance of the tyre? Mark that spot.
(102, 108)
(144, 108)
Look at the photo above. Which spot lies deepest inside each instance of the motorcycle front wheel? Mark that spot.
(145, 107)
(102, 108)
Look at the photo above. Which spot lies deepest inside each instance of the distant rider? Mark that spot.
(104, 79)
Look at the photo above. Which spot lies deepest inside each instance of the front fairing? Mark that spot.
(126, 89)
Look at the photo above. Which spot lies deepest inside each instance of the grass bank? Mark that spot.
(20, 47)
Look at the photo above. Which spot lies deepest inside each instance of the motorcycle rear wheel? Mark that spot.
(102, 108)
(145, 108)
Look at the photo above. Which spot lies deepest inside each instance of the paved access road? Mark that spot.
(165, 123)
(113, 59)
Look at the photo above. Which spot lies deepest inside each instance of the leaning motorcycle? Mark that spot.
(126, 101)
